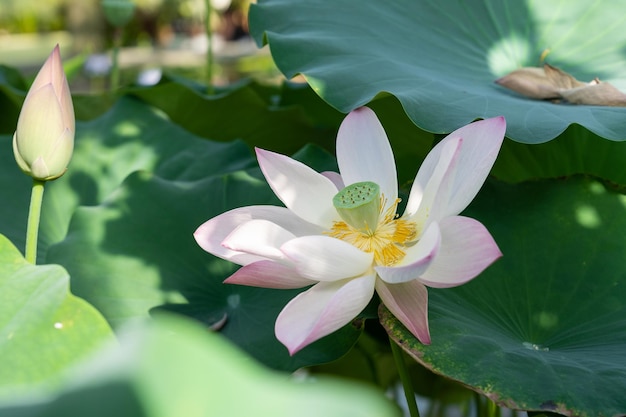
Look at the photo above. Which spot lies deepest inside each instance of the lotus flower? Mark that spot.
(44, 139)
(340, 234)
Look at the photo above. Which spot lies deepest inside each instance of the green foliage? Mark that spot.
(441, 59)
(136, 189)
(12, 94)
(45, 329)
(173, 367)
(544, 328)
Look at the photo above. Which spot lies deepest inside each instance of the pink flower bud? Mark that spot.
(44, 139)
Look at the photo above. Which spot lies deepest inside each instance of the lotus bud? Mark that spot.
(44, 139)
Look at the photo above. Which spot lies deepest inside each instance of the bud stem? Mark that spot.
(34, 214)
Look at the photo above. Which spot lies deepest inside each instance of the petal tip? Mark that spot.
(260, 152)
(498, 123)
(293, 350)
(423, 335)
(292, 347)
(361, 112)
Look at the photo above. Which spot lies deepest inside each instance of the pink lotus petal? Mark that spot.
(212, 233)
(481, 143)
(409, 303)
(417, 259)
(335, 178)
(51, 72)
(304, 191)
(364, 153)
(321, 310)
(268, 274)
(323, 258)
(466, 250)
(259, 237)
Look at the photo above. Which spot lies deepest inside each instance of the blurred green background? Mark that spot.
(163, 36)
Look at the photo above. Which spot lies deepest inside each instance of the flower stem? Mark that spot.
(409, 392)
(209, 52)
(493, 409)
(34, 214)
(115, 68)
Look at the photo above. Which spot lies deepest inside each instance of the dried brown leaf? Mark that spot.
(531, 82)
(550, 83)
(561, 79)
(596, 94)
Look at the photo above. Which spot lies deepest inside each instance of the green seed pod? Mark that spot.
(358, 205)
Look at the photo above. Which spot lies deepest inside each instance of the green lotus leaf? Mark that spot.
(245, 111)
(544, 328)
(130, 137)
(440, 59)
(281, 118)
(12, 94)
(181, 181)
(173, 367)
(44, 329)
(135, 255)
(577, 151)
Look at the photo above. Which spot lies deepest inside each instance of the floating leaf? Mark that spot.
(241, 112)
(130, 137)
(577, 151)
(282, 119)
(44, 329)
(12, 94)
(544, 328)
(440, 58)
(142, 258)
(173, 368)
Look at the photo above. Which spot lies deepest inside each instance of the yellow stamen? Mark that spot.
(386, 241)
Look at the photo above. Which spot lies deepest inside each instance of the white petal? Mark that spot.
(417, 259)
(304, 191)
(39, 168)
(321, 310)
(466, 250)
(323, 258)
(212, 233)
(40, 124)
(364, 153)
(428, 201)
(268, 274)
(409, 303)
(50, 72)
(481, 142)
(259, 237)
